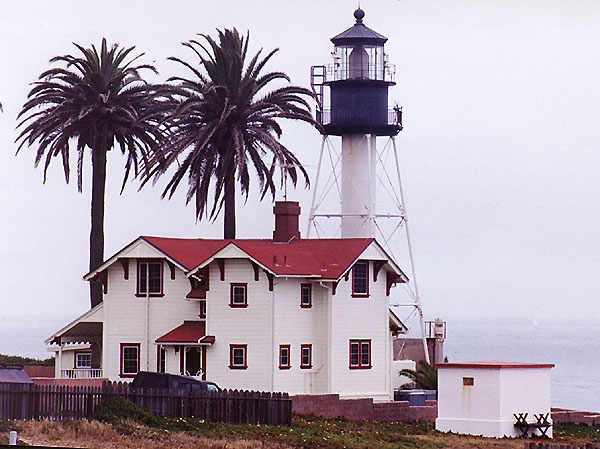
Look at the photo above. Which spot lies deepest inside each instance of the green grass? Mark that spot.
(312, 432)
(306, 431)
(577, 432)
(309, 431)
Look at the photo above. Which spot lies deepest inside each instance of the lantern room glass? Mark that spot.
(359, 62)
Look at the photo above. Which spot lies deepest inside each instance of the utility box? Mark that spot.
(482, 398)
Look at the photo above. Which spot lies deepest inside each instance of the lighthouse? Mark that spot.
(364, 170)
(352, 97)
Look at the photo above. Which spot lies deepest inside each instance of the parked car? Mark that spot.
(149, 379)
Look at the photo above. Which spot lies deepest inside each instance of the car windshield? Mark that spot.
(212, 387)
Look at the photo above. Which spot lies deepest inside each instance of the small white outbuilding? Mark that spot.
(483, 398)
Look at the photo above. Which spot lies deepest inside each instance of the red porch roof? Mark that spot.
(188, 332)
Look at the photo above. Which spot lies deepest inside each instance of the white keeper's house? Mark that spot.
(305, 316)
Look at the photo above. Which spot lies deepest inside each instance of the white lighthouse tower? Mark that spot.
(352, 103)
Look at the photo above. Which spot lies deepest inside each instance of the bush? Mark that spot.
(120, 409)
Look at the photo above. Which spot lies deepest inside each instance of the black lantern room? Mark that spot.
(358, 82)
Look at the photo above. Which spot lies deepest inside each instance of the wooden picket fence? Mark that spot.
(31, 401)
(531, 445)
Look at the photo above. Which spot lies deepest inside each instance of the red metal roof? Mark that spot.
(324, 258)
(188, 332)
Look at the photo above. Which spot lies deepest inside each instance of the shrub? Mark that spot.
(119, 409)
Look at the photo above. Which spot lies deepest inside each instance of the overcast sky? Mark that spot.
(500, 152)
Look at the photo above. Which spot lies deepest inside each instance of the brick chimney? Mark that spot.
(287, 216)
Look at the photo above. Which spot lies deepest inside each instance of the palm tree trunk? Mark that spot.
(97, 231)
(229, 225)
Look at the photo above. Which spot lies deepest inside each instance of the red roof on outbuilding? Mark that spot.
(324, 258)
(493, 364)
(188, 332)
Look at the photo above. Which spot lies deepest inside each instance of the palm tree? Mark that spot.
(425, 377)
(97, 99)
(224, 121)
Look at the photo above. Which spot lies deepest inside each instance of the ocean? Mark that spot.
(573, 346)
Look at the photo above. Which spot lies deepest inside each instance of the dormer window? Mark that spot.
(360, 279)
(150, 278)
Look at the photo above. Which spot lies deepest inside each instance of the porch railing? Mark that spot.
(80, 373)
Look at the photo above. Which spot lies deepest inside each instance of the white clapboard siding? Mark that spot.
(295, 326)
(125, 313)
(247, 326)
(360, 318)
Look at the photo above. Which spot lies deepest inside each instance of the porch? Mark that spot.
(183, 350)
(78, 347)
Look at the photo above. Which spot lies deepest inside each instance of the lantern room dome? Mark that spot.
(359, 33)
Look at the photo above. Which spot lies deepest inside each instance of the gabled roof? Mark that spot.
(189, 253)
(321, 258)
(84, 327)
(396, 326)
(327, 259)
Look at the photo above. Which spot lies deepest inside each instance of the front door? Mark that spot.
(194, 361)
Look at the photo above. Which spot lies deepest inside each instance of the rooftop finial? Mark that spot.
(359, 14)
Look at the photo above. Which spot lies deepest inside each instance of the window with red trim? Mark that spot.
(238, 356)
(305, 296)
(284, 357)
(305, 356)
(360, 279)
(130, 359)
(238, 295)
(360, 354)
(149, 278)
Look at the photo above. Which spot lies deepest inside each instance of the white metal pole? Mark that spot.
(273, 349)
(410, 255)
(372, 183)
(311, 215)
(148, 316)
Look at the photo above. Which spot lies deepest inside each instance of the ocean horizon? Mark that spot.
(571, 345)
